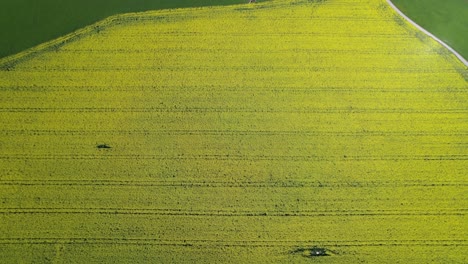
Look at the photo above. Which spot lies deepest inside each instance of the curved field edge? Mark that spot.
(27, 23)
(459, 56)
(445, 19)
(9, 62)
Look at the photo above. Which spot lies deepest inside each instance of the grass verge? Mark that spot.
(445, 19)
(26, 23)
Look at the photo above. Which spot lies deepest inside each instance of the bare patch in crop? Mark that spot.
(103, 146)
(312, 252)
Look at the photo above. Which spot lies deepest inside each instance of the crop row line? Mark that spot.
(222, 184)
(234, 133)
(256, 68)
(179, 50)
(238, 243)
(257, 90)
(224, 213)
(231, 157)
(229, 110)
(173, 34)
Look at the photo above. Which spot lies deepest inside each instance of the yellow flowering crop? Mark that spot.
(275, 132)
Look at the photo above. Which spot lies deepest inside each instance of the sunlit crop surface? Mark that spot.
(277, 132)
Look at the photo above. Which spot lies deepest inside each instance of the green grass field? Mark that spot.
(26, 23)
(448, 20)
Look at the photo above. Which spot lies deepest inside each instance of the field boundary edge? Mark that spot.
(9, 62)
(460, 57)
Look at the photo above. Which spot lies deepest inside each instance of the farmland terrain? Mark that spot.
(447, 20)
(27, 23)
(278, 132)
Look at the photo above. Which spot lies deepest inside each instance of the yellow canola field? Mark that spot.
(279, 132)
